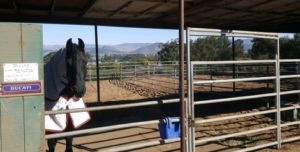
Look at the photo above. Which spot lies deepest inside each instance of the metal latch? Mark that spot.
(191, 122)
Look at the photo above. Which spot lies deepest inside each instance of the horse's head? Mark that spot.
(76, 67)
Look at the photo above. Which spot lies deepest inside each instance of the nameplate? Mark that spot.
(20, 88)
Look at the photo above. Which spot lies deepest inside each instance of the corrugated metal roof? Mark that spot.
(259, 15)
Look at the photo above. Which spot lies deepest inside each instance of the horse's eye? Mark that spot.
(69, 61)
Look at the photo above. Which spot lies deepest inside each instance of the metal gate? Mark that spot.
(193, 140)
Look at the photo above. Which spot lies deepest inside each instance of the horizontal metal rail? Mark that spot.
(290, 76)
(290, 123)
(141, 145)
(234, 80)
(121, 106)
(289, 92)
(104, 129)
(258, 147)
(289, 60)
(290, 108)
(234, 99)
(290, 139)
(205, 140)
(235, 116)
(233, 33)
(231, 62)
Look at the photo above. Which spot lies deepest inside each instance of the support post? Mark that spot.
(210, 76)
(148, 70)
(298, 81)
(278, 103)
(190, 110)
(181, 78)
(121, 73)
(233, 66)
(175, 78)
(97, 63)
(134, 74)
(296, 111)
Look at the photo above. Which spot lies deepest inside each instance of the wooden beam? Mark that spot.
(52, 7)
(249, 7)
(164, 1)
(195, 5)
(85, 21)
(259, 4)
(87, 7)
(250, 13)
(46, 8)
(290, 11)
(204, 4)
(145, 11)
(120, 8)
(15, 5)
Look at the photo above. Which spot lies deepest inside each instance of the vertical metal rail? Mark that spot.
(181, 77)
(97, 63)
(278, 105)
(233, 66)
(210, 74)
(190, 105)
(298, 81)
(121, 73)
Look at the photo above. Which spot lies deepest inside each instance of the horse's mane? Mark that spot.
(55, 75)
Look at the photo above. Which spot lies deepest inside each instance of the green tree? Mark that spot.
(287, 48)
(169, 51)
(107, 58)
(211, 48)
(88, 56)
(263, 49)
(239, 49)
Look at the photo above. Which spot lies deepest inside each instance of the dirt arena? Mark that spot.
(126, 91)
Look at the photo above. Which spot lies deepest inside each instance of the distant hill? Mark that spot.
(119, 49)
(151, 49)
(127, 48)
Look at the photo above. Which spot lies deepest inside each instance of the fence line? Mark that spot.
(104, 129)
(112, 107)
(149, 103)
(277, 110)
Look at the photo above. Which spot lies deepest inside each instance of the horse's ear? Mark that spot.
(69, 48)
(81, 44)
(69, 44)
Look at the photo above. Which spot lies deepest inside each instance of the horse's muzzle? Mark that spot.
(79, 90)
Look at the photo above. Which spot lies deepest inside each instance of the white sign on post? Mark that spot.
(16, 72)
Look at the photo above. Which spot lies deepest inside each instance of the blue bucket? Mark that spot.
(169, 129)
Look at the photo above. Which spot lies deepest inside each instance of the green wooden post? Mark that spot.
(21, 118)
(33, 105)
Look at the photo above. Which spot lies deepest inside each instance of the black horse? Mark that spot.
(65, 77)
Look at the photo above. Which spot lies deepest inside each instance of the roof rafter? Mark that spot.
(249, 7)
(17, 9)
(256, 5)
(145, 11)
(52, 7)
(188, 10)
(87, 7)
(121, 8)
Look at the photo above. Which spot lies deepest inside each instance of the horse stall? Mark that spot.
(21, 91)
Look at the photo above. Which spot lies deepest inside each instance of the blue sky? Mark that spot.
(58, 34)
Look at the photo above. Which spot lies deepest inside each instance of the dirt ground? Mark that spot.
(141, 89)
